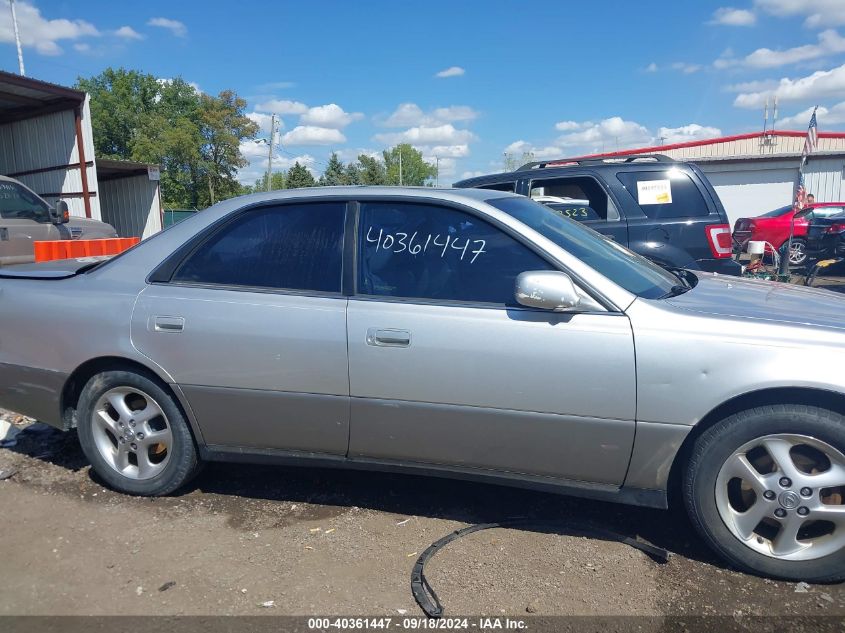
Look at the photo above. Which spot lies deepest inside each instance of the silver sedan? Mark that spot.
(458, 333)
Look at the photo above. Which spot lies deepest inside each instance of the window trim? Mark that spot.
(619, 209)
(609, 308)
(164, 272)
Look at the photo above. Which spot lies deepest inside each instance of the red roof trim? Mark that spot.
(710, 141)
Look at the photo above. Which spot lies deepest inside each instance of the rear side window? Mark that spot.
(438, 253)
(579, 198)
(295, 247)
(664, 194)
(500, 186)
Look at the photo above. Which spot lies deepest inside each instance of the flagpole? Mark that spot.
(784, 262)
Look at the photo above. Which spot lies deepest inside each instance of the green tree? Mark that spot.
(414, 170)
(335, 173)
(277, 181)
(372, 171)
(223, 125)
(299, 176)
(353, 174)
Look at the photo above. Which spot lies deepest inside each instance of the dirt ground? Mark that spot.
(317, 542)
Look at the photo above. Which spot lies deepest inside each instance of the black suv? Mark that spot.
(661, 208)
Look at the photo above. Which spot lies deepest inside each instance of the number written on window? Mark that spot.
(417, 244)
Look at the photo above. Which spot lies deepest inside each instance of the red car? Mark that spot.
(773, 227)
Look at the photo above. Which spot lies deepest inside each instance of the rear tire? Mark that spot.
(765, 487)
(134, 434)
(798, 255)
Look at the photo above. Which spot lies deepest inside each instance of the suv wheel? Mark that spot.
(134, 434)
(765, 488)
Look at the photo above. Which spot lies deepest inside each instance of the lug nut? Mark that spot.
(780, 513)
(132, 423)
(769, 494)
(803, 511)
(121, 439)
(120, 424)
(133, 446)
(806, 492)
(140, 436)
(785, 482)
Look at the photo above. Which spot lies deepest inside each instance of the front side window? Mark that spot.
(19, 203)
(664, 194)
(431, 252)
(579, 198)
(629, 270)
(294, 247)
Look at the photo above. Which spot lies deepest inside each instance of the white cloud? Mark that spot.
(452, 71)
(281, 106)
(127, 32)
(174, 26)
(40, 33)
(686, 68)
(830, 43)
(728, 16)
(835, 115)
(256, 154)
(818, 13)
(313, 135)
(472, 174)
(263, 121)
(82, 47)
(410, 114)
(427, 135)
(752, 86)
(445, 151)
(685, 133)
(520, 148)
(651, 68)
(331, 115)
(607, 135)
(821, 84)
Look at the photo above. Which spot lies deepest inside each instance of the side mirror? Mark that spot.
(60, 214)
(547, 290)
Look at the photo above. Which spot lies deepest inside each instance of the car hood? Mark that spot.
(90, 226)
(763, 300)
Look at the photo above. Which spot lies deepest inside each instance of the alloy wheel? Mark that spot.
(782, 496)
(797, 254)
(132, 433)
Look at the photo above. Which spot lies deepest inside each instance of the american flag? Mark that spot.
(811, 144)
(801, 194)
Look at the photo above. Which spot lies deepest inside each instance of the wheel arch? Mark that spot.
(80, 376)
(823, 398)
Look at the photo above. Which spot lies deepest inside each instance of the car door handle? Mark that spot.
(380, 337)
(169, 324)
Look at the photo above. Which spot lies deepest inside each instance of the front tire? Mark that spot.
(798, 254)
(765, 488)
(134, 434)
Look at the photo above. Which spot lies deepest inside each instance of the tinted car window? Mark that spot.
(631, 271)
(297, 247)
(17, 202)
(555, 192)
(501, 186)
(664, 194)
(433, 252)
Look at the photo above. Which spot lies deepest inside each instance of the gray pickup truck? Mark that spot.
(25, 218)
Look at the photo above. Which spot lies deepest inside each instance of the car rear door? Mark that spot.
(252, 327)
(446, 371)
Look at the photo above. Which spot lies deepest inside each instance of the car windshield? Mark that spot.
(633, 272)
(19, 203)
(777, 212)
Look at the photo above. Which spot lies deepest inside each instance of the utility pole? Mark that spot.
(400, 165)
(270, 150)
(436, 171)
(17, 37)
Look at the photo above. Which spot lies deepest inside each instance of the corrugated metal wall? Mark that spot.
(756, 146)
(131, 205)
(823, 177)
(50, 141)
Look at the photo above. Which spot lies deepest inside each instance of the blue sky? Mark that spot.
(464, 80)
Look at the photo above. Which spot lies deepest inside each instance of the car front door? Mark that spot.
(447, 371)
(24, 219)
(252, 327)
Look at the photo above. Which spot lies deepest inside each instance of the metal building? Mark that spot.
(47, 143)
(756, 173)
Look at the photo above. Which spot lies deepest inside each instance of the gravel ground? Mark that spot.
(317, 542)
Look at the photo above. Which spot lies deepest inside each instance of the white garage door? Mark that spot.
(750, 192)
